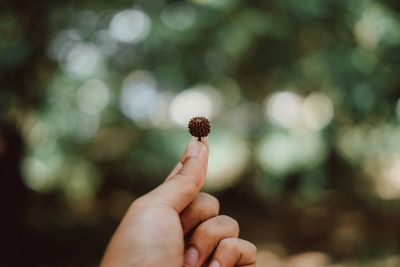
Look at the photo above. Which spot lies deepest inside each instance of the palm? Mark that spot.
(164, 238)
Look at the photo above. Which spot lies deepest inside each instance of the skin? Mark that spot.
(176, 225)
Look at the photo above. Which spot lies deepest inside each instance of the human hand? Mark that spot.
(174, 225)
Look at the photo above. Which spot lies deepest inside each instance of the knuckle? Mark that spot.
(226, 220)
(249, 250)
(208, 230)
(211, 203)
(252, 248)
(229, 244)
(219, 226)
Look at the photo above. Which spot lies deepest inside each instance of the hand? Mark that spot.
(174, 225)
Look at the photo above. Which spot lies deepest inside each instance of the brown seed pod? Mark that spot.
(199, 127)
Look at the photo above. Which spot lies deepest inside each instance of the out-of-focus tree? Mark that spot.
(303, 97)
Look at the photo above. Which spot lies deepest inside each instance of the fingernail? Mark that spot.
(193, 148)
(191, 257)
(214, 263)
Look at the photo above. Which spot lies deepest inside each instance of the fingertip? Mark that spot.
(204, 140)
(196, 148)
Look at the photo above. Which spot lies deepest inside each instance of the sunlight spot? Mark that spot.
(130, 26)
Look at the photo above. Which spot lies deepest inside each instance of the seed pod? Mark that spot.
(199, 127)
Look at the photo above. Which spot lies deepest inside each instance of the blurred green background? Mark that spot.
(303, 97)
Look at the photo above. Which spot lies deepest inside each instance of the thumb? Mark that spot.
(184, 184)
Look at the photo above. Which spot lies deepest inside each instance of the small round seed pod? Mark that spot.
(199, 127)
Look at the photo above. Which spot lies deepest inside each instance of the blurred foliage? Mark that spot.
(303, 97)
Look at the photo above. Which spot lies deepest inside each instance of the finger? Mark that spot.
(184, 186)
(206, 237)
(183, 158)
(234, 252)
(202, 208)
(175, 170)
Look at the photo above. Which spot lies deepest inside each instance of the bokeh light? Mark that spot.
(294, 112)
(81, 183)
(201, 100)
(41, 173)
(385, 173)
(374, 26)
(83, 60)
(141, 101)
(178, 16)
(284, 109)
(281, 153)
(130, 26)
(229, 156)
(93, 96)
(62, 44)
(106, 43)
(318, 111)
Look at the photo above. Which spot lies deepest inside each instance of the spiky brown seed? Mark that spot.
(199, 127)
